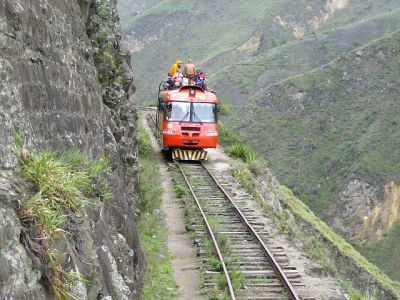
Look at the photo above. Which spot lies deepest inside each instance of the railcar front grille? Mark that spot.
(190, 143)
(191, 128)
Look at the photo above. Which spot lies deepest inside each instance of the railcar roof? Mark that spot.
(184, 94)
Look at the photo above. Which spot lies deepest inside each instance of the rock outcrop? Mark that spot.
(367, 214)
(66, 85)
(339, 258)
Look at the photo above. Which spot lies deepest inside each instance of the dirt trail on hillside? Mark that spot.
(184, 262)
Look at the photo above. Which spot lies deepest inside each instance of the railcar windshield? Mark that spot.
(178, 111)
(187, 112)
(204, 112)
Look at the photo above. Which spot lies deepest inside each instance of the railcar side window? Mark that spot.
(178, 111)
(204, 112)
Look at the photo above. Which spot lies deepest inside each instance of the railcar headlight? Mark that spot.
(211, 133)
(169, 131)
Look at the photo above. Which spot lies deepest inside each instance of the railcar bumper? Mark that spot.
(198, 142)
(189, 154)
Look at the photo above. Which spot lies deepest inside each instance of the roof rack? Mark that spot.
(191, 87)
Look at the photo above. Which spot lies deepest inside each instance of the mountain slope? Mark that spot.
(158, 32)
(339, 153)
(333, 136)
(270, 66)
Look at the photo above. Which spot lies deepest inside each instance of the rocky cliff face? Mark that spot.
(368, 214)
(66, 85)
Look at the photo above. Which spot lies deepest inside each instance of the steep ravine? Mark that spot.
(66, 85)
(331, 135)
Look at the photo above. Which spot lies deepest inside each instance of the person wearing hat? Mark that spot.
(175, 67)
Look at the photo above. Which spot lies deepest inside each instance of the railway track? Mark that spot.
(243, 266)
(238, 238)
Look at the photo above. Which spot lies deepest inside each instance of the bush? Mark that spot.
(180, 190)
(243, 152)
(101, 34)
(103, 11)
(225, 109)
(243, 175)
(144, 142)
(227, 136)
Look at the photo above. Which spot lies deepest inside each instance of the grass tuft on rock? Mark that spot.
(236, 147)
(62, 187)
(103, 11)
(243, 152)
(227, 136)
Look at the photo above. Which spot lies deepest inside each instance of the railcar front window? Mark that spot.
(178, 111)
(204, 112)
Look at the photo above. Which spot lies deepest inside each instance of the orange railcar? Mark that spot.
(187, 122)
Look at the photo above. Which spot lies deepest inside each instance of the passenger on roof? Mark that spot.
(190, 71)
(175, 67)
(200, 79)
(177, 78)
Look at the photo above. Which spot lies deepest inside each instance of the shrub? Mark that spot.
(180, 190)
(227, 136)
(108, 45)
(243, 152)
(243, 176)
(101, 34)
(225, 109)
(144, 143)
(103, 11)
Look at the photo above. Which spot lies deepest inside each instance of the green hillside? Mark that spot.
(322, 109)
(386, 253)
(187, 29)
(328, 112)
(296, 57)
(128, 9)
(208, 31)
(320, 130)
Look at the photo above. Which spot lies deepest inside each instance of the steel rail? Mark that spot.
(210, 232)
(267, 253)
(153, 119)
(151, 116)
